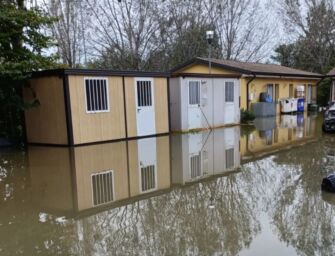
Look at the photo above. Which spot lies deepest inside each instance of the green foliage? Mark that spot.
(247, 116)
(323, 91)
(21, 51)
(314, 50)
(190, 44)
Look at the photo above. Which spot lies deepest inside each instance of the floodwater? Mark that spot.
(231, 191)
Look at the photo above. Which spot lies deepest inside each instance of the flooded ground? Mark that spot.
(230, 191)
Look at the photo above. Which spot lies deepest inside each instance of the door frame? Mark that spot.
(151, 79)
(139, 148)
(230, 103)
(193, 106)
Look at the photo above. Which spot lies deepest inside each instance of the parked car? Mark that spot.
(329, 120)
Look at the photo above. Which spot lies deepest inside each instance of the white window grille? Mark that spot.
(96, 90)
(148, 178)
(102, 187)
(144, 97)
(195, 162)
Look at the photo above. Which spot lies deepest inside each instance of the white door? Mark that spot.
(229, 142)
(147, 164)
(194, 111)
(195, 157)
(229, 106)
(145, 106)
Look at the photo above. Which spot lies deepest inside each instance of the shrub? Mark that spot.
(247, 116)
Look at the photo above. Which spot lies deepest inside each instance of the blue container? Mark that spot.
(301, 103)
(300, 120)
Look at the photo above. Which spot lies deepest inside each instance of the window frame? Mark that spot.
(113, 188)
(188, 92)
(107, 92)
(145, 79)
(225, 85)
(140, 178)
(199, 158)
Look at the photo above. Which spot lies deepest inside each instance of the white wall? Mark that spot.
(208, 86)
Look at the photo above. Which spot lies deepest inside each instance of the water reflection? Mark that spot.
(276, 133)
(204, 154)
(67, 180)
(171, 195)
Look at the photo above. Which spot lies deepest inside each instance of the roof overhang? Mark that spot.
(178, 70)
(97, 72)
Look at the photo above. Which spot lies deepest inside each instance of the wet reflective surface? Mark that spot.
(232, 191)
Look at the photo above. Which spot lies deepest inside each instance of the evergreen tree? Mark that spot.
(22, 43)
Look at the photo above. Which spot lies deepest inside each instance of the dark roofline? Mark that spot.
(97, 72)
(240, 70)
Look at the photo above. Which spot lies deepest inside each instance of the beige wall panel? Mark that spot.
(47, 122)
(243, 145)
(161, 105)
(243, 93)
(203, 69)
(50, 175)
(163, 162)
(134, 171)
(95, 127)
(98, 158)
(130, 106)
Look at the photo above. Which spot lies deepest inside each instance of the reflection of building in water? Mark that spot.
(76, 179)
(199, 155)
(275, 133)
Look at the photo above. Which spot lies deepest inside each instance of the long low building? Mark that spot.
(202, 97)
(83, 106)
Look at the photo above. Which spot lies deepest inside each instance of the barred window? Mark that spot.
(96, 95)
(148, 179)
(102, 187)
(144, 97)
(195, 162)
(229, 91)
(229, 158)
(194, 92)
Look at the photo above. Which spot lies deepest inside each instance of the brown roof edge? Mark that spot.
(97, 72)
(215, 63)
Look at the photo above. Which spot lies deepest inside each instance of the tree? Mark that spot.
(314, 47)
(125, 32)
(161, 34)
(21, 51)
(69, 29)
(285, 55)
(243, 33)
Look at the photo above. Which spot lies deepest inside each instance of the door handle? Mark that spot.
(138, 110)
